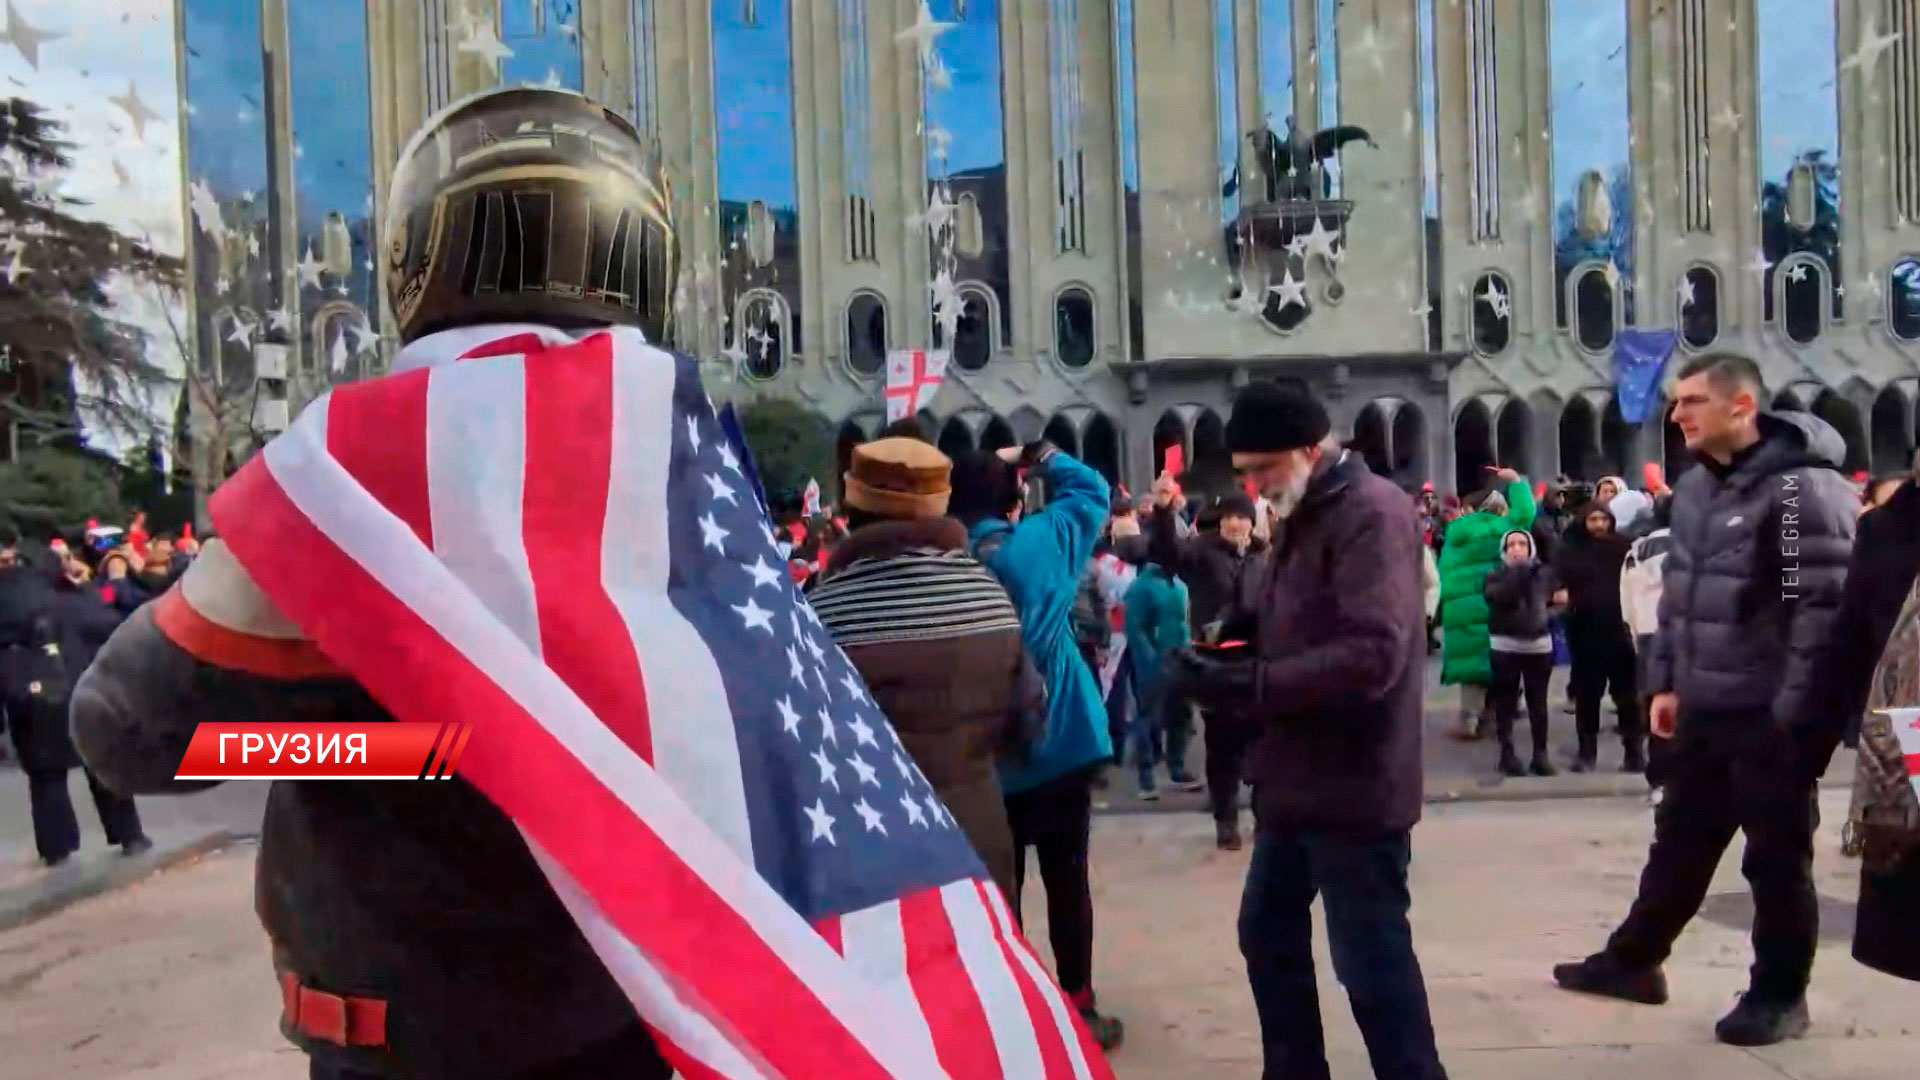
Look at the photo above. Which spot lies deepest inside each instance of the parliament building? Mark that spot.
(1452, 219)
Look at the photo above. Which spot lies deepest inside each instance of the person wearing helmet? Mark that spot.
(413, 933)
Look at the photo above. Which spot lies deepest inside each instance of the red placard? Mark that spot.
(372, 751)
(1176, 461)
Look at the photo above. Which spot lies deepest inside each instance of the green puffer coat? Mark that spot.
(1472, 551)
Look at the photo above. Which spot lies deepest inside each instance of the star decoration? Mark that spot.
(871, 816)
(940, 211)
(822, 821)
(1425, 309)
(789, 719)
(711, 534)
(735, 353)
(1289, 291)
(938, 77)
(309, 269)
(867, 773)
(719, 488)
(1727, 119)
(338, 357)
(1686, 292)
(827, 732)
(483, 41)
(28, 39)
(221, 284)
(863, 732)
(552, 81)
(253, 246)
(280, 320)
(754, 617)
(365, 339)
(242, 332)
(206, 211)
(923, 33)
(1297, 247)
(1760, 265)
(1797, 272)
(1496, 299)
(1866, 56)
(915, 815)
(1320, 239)
(1612, 275)
(135, 109)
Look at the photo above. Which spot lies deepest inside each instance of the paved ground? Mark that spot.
(169, 979)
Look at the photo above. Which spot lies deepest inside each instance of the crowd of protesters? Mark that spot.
(59, 602)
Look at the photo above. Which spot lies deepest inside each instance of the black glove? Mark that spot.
(1035, 452)
(1218, 679)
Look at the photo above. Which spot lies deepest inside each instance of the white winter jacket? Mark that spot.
(1640, 582)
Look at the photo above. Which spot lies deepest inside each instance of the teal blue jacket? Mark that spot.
(1040, 561)
(1156, 621)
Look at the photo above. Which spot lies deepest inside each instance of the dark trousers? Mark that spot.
(1728, 773)
(1510, 672)
(1605, 665)
(56, 830)
(1056, 819)
(631, 1055)
(1362, 882)
(1120, 706)
(1226, 744)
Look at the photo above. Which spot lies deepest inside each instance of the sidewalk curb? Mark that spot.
(22, 905)
(1517, 789)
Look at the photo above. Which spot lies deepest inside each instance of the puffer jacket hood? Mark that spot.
(1803, 438)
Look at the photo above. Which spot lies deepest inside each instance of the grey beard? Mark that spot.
(1286, 499)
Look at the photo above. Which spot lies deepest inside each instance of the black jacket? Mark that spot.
(1218, 575)
(1880, 574)
(1517, 599)
(1755, 575)
(1589, 567)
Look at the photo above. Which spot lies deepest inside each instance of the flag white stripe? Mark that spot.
(993, 983)
(386, 548)
(476, 440)
(695, 746)
(874, 941)
(1062, 1023)
(646, 986)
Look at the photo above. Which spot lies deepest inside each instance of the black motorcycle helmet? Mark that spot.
(529, 205)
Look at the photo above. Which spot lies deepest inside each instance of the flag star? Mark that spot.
(827, 734)
(827, 773)
(789, 719)
(753, 616)
(727, 459)
(822, 822)
(906, 770)
(764, 574)
(812, 615)
(871, 816)
(867, 773)
(863, 732)
(793, 662)
(711, 534)
(693, 433)
(937, 811)
(720, 488)
(799, 632)
(854, 689)
(820, 675)
(914, 813)
(819, 654)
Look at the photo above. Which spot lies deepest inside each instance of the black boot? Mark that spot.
(1510, 761)
(1226, 836)
(1601, 974)
(1635, 760)
(1762, 1021)
(1542, 766)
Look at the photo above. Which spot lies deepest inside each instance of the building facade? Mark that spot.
(1445, 216)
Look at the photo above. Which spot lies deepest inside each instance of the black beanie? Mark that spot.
(1269, 418)
(1235, 505)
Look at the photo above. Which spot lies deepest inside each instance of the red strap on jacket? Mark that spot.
(341, 1019)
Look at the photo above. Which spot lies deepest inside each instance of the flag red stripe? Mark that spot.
(829, 928)
(563, 517)
(961, 1036)
(1913, 764)
(639, 884)
(378, 432)
(1053, 1052)
(511, 345)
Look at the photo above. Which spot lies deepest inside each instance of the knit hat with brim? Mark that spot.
(899, 478)
(1269, 418)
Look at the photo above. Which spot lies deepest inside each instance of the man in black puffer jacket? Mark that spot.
(1760, 538)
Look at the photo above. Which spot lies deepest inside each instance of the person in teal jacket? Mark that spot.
(1156, 625)
(1039, 557)
(1472, 551)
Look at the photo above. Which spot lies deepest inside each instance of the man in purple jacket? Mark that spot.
(1333, 688)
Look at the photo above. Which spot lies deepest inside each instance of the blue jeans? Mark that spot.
(1158, 729)
(1363, 882)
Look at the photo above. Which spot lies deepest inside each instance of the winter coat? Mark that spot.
(1429, 581)
(1589, 566)
(938, 643)
(1472, 550)
(1640, 581)
(1886, 935)
(1341, 649)
(1519, 595)
(1755, 574)
(1216, 572)
(422, 895)
(84, 616)
(1881, 570)
(1156, 622)
(1632, 512)
(35, 690)
(1039, 561)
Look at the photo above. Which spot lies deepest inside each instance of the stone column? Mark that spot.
(684, 43)
(1179, 167)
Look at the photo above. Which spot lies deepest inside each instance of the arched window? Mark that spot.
(1492, 313)
(1593, 308)
(866, 333)
(1903, 300)
(1802, 282)
(1699, 304)
(761, 331)
(1073, 327)
(973, 337)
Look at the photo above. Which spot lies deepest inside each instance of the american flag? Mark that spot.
(550, 537)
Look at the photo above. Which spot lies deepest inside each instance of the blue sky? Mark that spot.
(753, 104)
(1590, 120)
(970, 110)
(1799, 96)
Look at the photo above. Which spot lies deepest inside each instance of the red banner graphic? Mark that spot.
(375, 751)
